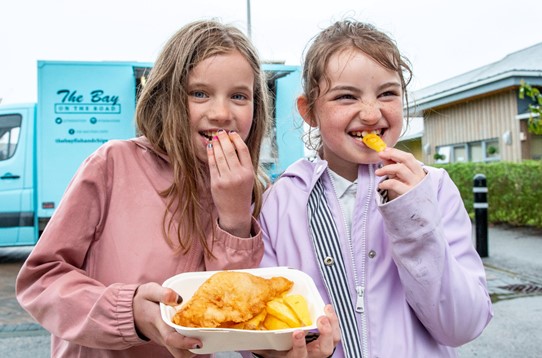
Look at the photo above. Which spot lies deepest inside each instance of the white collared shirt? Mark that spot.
(346, 194)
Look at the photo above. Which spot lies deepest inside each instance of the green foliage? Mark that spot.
(535, 120)
(514, 190)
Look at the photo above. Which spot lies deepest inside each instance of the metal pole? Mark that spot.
(249, 25)
(480, 213)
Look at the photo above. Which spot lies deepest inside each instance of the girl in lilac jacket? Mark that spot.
(386, 239)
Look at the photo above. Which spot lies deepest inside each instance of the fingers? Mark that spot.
(299, 347)
(171, 298)
(176, 341)
(148, 321)
(228, 152)
(232, 176)
(155, 293)
(213, 166)
(241, 149)
(393, 155)
(403, 173)
(334, 322)
(326, 341)
(150, 292)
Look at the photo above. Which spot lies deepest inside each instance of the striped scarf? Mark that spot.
(331, 264)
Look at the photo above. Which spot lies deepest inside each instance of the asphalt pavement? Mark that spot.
(514, 276)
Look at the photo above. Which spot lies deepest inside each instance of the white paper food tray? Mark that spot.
(223, 340)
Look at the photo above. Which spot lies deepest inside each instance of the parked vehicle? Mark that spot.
(82, 105)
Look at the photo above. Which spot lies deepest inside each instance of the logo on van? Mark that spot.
(97, 102)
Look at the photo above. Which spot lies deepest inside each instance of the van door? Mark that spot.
(16, 203)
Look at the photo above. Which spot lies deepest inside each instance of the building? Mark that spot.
(411, 138)
(478, 116)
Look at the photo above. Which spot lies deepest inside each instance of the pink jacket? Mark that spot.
(103, 241)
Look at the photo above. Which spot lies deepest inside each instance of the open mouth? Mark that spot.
(358, 135)
(209, 134)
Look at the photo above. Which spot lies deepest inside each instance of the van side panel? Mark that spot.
(81, 106)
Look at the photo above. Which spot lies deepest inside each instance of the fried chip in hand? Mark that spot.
(374, 142)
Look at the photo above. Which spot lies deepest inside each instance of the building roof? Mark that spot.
(413, 129)
(525, 64)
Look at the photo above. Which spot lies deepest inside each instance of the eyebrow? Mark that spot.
(356, 89)
(390, 84)
(203, 84)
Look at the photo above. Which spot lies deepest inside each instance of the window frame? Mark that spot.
(10, 135)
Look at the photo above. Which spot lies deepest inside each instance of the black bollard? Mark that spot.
(480, 213)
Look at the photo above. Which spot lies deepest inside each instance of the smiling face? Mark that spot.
(361, 97)
(220, 96)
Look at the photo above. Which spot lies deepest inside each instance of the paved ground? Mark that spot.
(514, 273)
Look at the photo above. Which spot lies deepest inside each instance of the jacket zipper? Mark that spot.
(364, 330)
(360, 304)
(360, 289)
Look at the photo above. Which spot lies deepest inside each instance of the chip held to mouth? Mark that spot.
(374, 142)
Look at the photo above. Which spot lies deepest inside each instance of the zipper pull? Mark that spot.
(360, 303)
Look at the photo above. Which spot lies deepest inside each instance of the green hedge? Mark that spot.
(514, 190)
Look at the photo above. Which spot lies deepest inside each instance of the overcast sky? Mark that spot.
(442, 38)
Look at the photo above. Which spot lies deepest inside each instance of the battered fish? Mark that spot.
(230, 297)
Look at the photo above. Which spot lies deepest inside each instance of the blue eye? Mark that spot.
(239, 96)
(198, 94)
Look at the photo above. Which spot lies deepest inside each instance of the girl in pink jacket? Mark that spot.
(386, 239)
(179, 198)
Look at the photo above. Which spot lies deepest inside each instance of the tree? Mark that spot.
(535, 119)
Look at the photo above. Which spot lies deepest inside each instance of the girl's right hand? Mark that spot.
(232, 181)
(148, 321)
(402, 170)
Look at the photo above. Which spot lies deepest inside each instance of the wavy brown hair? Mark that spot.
(162, 116)
(340, 36)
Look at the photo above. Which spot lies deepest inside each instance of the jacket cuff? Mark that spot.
(125, 315)
(413, 212)
(242, 243)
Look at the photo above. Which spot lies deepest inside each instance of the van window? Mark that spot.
(10, 128)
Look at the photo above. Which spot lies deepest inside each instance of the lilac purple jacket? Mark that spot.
(104, 240)
(424, 284)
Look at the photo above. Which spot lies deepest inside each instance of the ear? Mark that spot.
(303, 109)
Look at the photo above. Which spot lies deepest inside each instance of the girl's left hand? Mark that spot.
(148, 322)
(324, 346)
(232, 181)
(402, 170)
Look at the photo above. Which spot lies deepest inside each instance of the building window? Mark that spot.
(459, 153)
(479, 151)
(536, 146)
(476, 152)
(492, 150)
(10, 127)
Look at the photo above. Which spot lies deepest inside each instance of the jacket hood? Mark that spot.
(305, 171)
(205, 190)
(144, 143)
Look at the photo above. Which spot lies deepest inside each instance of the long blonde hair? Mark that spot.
(162, 116)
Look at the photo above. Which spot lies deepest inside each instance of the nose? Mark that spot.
(369, 112)
(219, 110)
